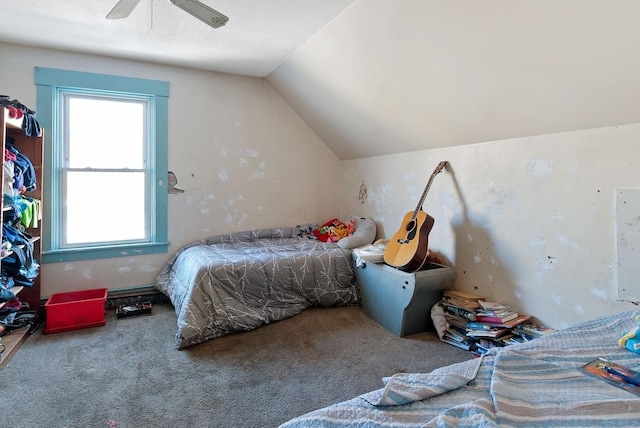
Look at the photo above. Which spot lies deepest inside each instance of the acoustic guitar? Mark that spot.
(408, 248)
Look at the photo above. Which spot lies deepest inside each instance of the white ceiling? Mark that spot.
(259, 36)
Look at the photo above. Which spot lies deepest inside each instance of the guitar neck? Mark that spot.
(439, 168)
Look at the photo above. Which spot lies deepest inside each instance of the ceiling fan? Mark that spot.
(204, 13)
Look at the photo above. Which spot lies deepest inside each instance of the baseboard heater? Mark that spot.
(131, 296)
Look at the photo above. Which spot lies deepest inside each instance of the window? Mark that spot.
(105, 191)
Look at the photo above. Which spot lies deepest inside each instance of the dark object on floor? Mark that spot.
(22, 318)
(141, 308)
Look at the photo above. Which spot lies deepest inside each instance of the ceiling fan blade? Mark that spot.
(122, 9)
(203, 12)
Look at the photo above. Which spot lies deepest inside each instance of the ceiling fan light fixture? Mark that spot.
(203, 12)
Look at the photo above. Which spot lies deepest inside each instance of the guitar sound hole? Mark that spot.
(410, 225)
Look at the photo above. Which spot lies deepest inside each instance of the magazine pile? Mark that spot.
(470, 322)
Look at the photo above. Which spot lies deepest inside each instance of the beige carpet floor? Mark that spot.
(128, 373)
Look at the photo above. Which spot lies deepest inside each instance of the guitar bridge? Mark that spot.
(403, 241)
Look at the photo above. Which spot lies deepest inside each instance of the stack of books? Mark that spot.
(456, 333)
(460, 304)
(497, 313)
(459, 308)
(530, 330)
(478, 325)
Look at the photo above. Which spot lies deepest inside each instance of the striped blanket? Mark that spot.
(534, 384)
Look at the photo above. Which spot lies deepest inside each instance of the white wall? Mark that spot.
(529, 222)
(243, 157)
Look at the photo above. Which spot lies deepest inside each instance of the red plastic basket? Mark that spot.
(75, 310)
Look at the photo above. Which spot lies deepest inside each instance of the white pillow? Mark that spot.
(364, 233)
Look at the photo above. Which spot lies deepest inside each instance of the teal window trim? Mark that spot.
(49, 82)
(93, 253)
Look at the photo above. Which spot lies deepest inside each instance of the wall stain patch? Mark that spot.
(378, 199)
(545, 261)
(540, 168)
(413, 191)
(566, 242)
(497, 206)
(256, 175)
(410, 176)
(234, 217)
(448, 200)
(551, 261)
(148, 268)
(599, 293)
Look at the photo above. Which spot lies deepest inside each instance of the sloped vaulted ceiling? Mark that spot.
(396, 76)
(374, 77)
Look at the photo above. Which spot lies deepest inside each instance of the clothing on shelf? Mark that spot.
(30, 124)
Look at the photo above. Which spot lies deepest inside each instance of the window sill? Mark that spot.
(106, 252)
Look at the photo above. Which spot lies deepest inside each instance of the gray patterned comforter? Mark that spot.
(238, 282)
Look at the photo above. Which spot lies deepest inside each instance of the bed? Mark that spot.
(533, 384)
(240, 281)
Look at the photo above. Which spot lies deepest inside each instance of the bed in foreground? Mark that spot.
(534, 384)
(238, 282)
